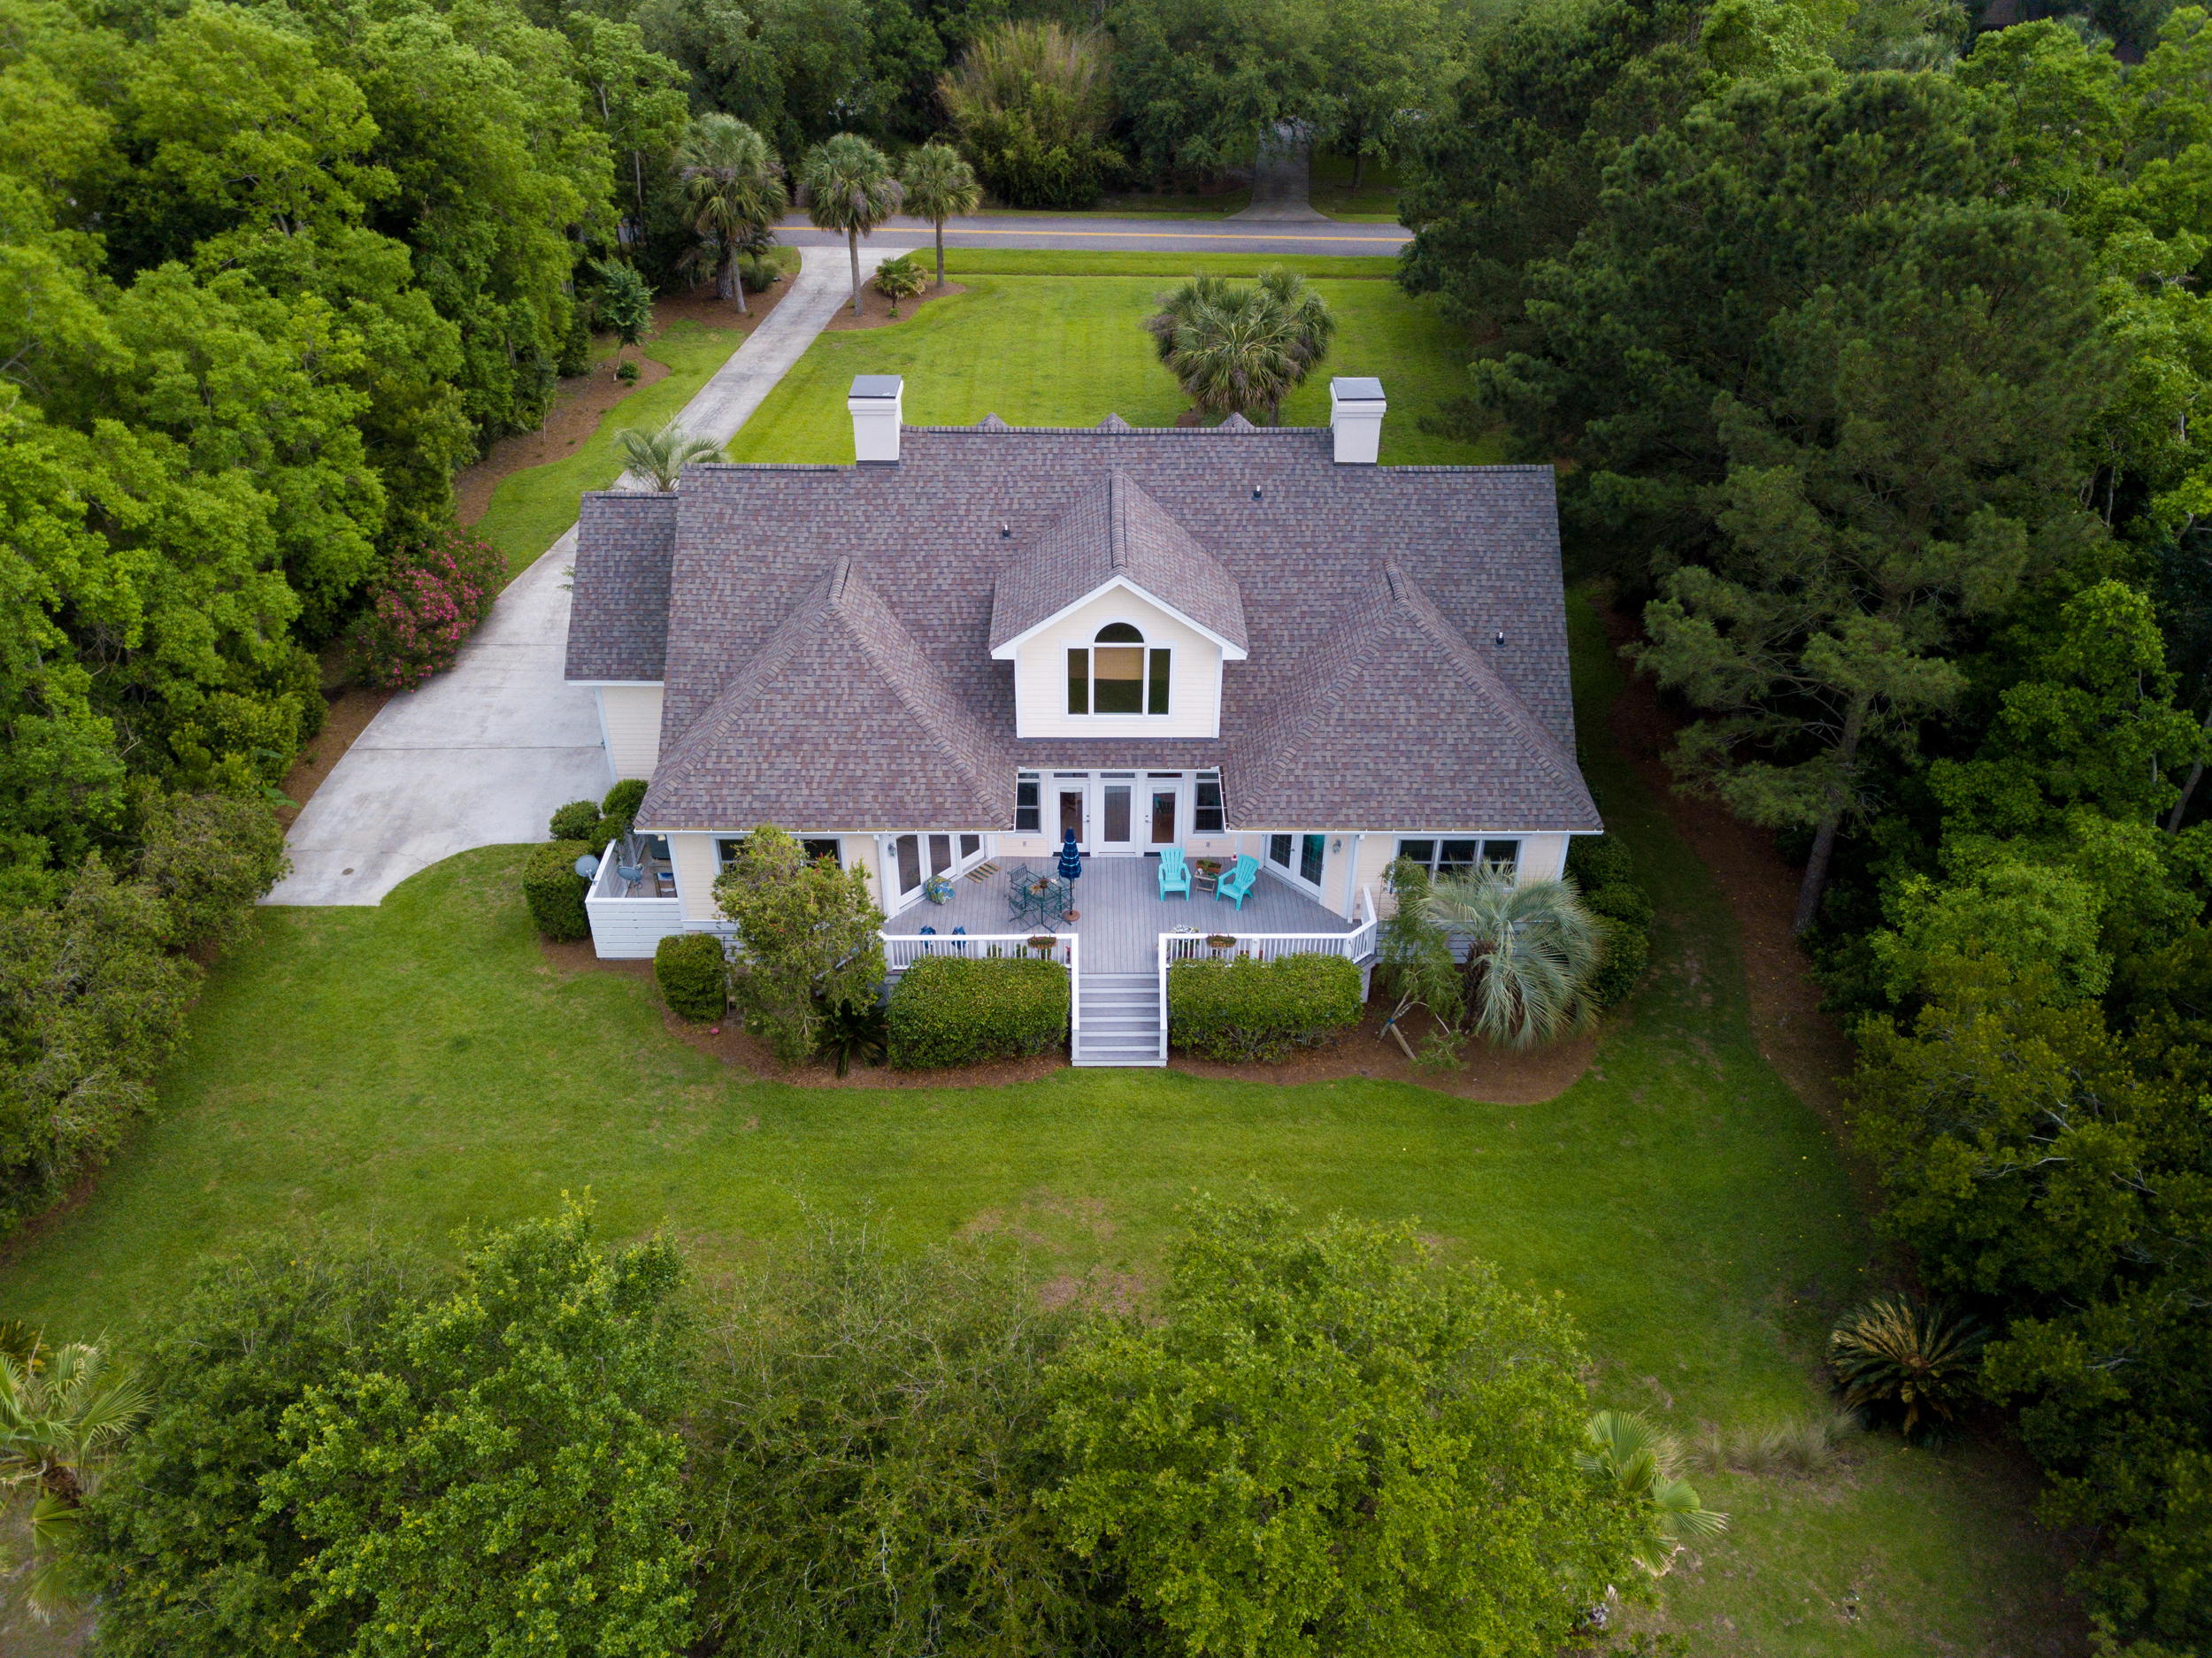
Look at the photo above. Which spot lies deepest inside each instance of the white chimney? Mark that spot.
(877, 405)
(1355, 415)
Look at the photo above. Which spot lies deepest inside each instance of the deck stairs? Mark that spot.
(1119, 1020)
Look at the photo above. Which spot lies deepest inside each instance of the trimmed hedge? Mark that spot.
(694, 975)
(579, 820)
(554, 890)
(954, 1010)
(1597, 861)
(1620, 900)
(1627, 953)
(1246, 1010)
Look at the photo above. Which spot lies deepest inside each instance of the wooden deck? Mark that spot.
(1120, 913)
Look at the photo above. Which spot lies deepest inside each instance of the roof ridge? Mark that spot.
(1118, 488)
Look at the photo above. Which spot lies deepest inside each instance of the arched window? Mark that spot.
(1119, 674)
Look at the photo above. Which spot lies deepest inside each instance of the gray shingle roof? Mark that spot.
(618, 623)
(1115, 529)
(767, 749)
(1318, 730)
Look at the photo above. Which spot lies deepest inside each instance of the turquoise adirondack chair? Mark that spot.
(1174, 873)
(1239, 881)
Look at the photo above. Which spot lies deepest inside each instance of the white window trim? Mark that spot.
(1140, 721)
(1437, 838)
(1288, 874)
(1007, 651)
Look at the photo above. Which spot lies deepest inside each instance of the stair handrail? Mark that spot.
(1075, 997)
(1162, 993)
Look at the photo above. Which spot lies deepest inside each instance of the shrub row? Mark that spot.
(1603, 870)
(554, 890)
(598, 822)
(953, 1010)
(1260, 1010)
(694, 975)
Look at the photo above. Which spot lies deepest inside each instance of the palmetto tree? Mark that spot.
(1532, 947)
(848, 185)
(1234, 349)
(660, 457)
(1632, 1461)
(1900, 1350)
(62, 1412)
(732, 196)
(939, 183)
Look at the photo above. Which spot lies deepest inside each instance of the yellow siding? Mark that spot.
(858, 852)
(632, 715)
(1041, 676)
(693, 856)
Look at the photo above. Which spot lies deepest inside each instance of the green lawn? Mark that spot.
(1329, 188)
(1060, 349)
(409, 1069)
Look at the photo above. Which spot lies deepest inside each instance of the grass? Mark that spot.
(1329, 188)
(1024, 346)
(966, 262)
(532, 509)
(412, 1068)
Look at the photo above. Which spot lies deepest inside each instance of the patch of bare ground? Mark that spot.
(1807, 1048)
(875, 309)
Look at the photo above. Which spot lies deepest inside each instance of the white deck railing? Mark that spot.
(1354, 946)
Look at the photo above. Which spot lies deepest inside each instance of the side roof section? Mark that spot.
(618, 625)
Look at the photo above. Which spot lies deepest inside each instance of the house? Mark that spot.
(974, 640)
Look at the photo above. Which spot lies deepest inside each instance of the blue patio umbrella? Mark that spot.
(1070, 860)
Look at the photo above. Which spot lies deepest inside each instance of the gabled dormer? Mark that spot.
(1117, 623)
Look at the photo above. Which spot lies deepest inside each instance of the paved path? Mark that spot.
(1235, 234)
(1280, 185)
(481, 756)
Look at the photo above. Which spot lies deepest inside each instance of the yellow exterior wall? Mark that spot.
(631, 716)
(693, 855)
(1041, 676)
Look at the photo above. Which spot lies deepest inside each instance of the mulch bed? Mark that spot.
(875, 309)
(1496, 1077)
(579, 404)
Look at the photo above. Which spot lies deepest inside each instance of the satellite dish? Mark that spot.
(587, 866)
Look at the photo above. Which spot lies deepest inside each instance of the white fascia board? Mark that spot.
(1229, 652)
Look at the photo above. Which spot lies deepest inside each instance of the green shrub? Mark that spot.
(620, 806)
(579, 820)
(1622, 901)
(952, 1009)
(1627, 953)
(1597, 861)
(554, 890)
(1249, 1009)
(758, 275)
(694, 975)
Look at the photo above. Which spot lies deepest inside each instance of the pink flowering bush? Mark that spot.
(428, 602)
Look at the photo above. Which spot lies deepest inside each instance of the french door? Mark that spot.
(1115, 825)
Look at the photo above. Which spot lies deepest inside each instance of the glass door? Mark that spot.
(1116, 821)
(1165, 796)
(1072, 815)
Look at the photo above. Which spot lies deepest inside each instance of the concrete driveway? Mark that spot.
(481, 756)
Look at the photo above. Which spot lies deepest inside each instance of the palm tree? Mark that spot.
(1242, 348)
(661, 456)
(61, 1415)
(1633, 1462)
(848, 185)
(939, 183)
(732, 196)
(1532, 947)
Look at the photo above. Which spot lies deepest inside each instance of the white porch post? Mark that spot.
(1351, 875)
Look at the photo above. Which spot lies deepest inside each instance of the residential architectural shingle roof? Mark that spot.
(618, 623)
(1363, 704)
(1115, 529)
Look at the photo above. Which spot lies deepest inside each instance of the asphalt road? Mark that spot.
(1128, 236)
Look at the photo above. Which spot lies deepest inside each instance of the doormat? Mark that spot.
(982, 872)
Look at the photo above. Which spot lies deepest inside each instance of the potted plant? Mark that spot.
(937, 889)
(1043, 943)
(1221, 941)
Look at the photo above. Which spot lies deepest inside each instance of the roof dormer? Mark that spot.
(1117, 623)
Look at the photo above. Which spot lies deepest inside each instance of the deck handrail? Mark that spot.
(902, 950)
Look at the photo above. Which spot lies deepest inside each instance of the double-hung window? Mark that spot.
(1206, 817)
(1458, 857)
(1119, 673)
(1028, 813)
(814, 848)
